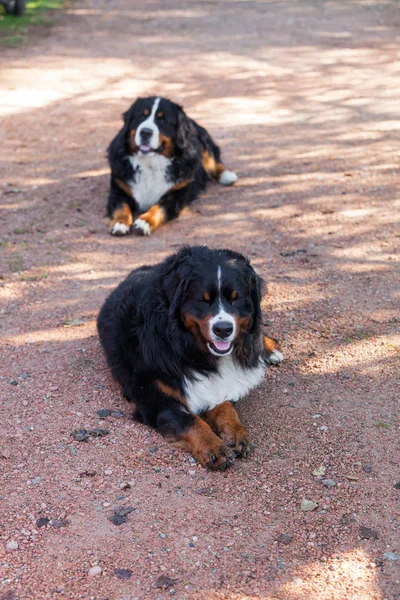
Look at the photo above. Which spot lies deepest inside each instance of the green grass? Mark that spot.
(382, 424)
(13, 30)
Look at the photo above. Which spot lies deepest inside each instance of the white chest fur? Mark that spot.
(232, 382)
(150, 179)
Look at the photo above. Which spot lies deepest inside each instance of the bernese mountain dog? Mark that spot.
(160, 161)
(184, 339)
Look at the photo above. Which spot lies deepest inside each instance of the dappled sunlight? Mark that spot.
(349, 576)
(55, 334)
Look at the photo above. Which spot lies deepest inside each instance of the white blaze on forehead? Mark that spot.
(149, 123)
(222, 315)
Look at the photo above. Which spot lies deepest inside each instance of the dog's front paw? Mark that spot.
(237, 438)
(273, 355)
(275, 358)
(119, 229)
(216, 456)
(141, 227)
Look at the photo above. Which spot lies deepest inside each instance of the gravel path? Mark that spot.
(304, 99)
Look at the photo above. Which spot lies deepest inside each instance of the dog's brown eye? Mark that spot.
(146, 112)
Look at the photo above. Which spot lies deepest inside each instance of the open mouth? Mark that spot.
(220, 348)
(145, 149)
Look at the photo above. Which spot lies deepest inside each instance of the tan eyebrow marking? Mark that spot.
(160, 115)
(206, 296)
(146, 112)
(234, 295)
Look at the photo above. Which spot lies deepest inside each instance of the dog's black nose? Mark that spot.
(223, 329)
(146, 133)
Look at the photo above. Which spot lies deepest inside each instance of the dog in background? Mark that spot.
(160, 161)
(184, 339)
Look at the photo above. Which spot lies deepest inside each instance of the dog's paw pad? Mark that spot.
(142, 227)
(276, 357)
(228, 178)
(119, 229)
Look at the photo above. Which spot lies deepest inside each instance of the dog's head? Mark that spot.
(155, 126)
(216, 295)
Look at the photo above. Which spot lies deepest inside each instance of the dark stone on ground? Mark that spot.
(284, 538)
(164, 582)
(120, 515)
(123, 574)
(397, 486)
(98, 432)
(58, 523)
(104, 412)
(80, 435)
(367, 534)
(367, 468)
(42, 521)
(117, 414)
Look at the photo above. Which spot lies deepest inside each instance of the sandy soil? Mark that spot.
(304, 99)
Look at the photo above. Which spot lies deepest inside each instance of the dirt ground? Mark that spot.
(303, 97)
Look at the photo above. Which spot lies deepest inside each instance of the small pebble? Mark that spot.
(367, 534)
(397, 486)
(284, 538)
(98, 432)
(108, 472)
(104, 412)
(164, 582)
(58, 523)
(124, 574)
(319, 471)
(94, 571)
(329, 483)
(117, 414)
(80, 435)
(42, 521)
(12, 545)
(125, 485)
(308, 505)
(391, 556)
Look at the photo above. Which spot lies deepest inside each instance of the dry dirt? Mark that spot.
(303, 98)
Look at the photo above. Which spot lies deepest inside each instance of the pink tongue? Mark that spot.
(144, 148)
(222, 345)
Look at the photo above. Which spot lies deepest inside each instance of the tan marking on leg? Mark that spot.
(205, 446)
(123, 215)
(155, 217)
(224, 420)
(219, 169)
(270, 345)
(124, 187)
(208, 162)
(170, 391)
(181, 185)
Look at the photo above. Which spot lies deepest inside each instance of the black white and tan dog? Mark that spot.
(160, 161)
(184, 339)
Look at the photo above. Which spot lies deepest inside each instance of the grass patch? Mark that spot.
(382, 424)
(13, 30)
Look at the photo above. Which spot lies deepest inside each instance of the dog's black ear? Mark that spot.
(127, 116)
(257, 287)
(184, 130)
(176, 281)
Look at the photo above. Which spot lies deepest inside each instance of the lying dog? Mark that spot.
(160, 161)
(184, 339)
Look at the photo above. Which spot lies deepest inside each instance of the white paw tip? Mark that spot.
(228, 178)
(120, 229)
(142, 226)
(275, 358)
